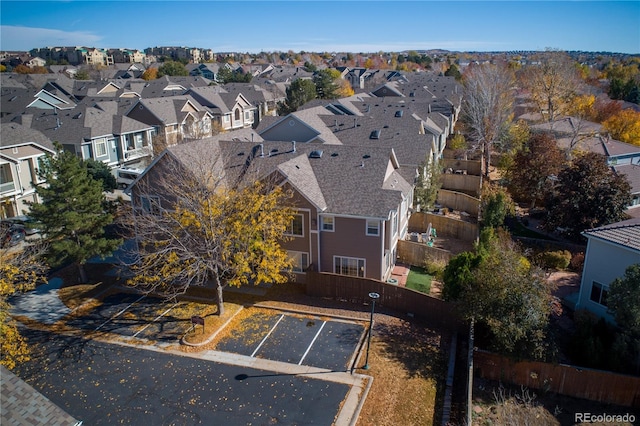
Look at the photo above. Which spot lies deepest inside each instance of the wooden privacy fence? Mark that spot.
(445, 226)
(594, 385)
(469, 184)
(417, 254)
(356, 290)
(459, 201)
(472, 167)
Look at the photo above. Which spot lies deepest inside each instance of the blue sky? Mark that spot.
(317, 26)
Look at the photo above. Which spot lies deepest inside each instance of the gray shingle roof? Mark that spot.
(345, 180)
(23, 405)
(14, 133)
(625, 233)
(632, 173)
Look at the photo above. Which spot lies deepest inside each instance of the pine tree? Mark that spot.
(72, 212)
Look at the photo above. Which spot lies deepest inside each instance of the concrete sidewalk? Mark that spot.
(42, 304)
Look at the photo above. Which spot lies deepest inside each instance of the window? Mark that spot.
(6, 178)
(348, 266)
(247, 115)
(236, 114)
(599, 293)
(150, 204)
(373, 227)
(299, 260)
(394, 223)
(101, 149)
(327, 223)
(226, 118)
(296, 227)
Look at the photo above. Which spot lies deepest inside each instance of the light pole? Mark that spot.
(374, 297)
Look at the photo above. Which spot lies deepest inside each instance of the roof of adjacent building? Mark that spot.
(23, 405)
(625, 233)
(17, 134)
(632, 173)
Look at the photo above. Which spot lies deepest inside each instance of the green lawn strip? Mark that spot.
(419, 280)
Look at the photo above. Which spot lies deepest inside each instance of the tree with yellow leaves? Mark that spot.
(624, 126)
(20, 271)
(196, 229)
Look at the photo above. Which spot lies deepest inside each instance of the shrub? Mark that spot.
(577, 262)
(555, 259)
(435, 268)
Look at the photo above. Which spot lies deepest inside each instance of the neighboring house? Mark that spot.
(611, 249)
(208, 71)
(571, 129)
(352, 203)
(174, 118)
(623, 158)
(21, 149)
(98, 132)
(231, 111)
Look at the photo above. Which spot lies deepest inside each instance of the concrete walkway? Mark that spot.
(42, 304)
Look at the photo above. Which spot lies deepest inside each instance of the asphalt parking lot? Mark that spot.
(296, 339)
(136, 316)
(102, 383)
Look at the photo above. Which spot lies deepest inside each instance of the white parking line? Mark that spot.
(119, 313)
(155, 319)
(312, 342)
(267, 336)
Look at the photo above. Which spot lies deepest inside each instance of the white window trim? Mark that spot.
(367, 227)
(106, 150)
(298, 256)
(289, 230)
(394, 224)
(357, 259)
(603, 288)
(323, 223)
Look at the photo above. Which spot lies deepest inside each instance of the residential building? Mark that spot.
(351, 202)
(611, 249)
(174, 118)
(21, 150)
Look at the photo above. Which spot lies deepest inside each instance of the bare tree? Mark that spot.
(552, 81)
(199, 222)
(488, 101)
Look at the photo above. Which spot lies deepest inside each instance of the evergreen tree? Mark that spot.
(72, 213)
(100, 171)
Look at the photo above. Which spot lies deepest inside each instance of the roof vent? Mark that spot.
(316, 154)
(335, 154)
(366, 156)
(375, 134)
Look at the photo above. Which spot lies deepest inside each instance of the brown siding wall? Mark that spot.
(594, 385)
(400, 299)
(349, 239)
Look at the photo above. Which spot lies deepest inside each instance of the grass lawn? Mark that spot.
(408, 372)
(419, 280)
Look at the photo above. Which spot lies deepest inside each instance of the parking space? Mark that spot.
(295, 339)
(137, 316)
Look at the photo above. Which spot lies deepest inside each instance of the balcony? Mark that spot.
(132, 154)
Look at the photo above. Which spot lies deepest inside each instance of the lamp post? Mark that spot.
(374, 297)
